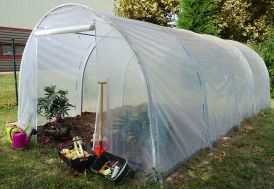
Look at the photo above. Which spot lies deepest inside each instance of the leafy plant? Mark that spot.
(200, 16)
(135, 124)
(242, 20)
(54, 104)
(265, 50)
(161, 12)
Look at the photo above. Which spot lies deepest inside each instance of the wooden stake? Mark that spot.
(101, 83)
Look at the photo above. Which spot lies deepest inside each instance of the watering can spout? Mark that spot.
(33, 132)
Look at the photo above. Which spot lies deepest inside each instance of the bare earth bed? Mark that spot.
(82, 126)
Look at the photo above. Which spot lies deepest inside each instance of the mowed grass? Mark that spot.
(7, 89)
(38, 167)
(244, 159)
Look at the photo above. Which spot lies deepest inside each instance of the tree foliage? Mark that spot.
(240, 20)
(245, 20)
(266, 51)
(159, 12)
(200, 16)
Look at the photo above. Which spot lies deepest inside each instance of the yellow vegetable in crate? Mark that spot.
(72, 154)
(69, 156)
(76, 152)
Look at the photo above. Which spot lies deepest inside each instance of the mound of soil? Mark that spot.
(82, 126)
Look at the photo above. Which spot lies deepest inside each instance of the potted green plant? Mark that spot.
(54, 106)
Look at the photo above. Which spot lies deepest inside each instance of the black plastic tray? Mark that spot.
(122, 163)
(79, 163)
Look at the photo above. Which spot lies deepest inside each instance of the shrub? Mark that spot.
(266, 51)
(54, 104)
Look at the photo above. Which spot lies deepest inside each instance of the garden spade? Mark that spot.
(99, 149)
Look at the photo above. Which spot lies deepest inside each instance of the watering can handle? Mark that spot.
(12, 129)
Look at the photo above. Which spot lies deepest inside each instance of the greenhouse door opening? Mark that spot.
(62, 63)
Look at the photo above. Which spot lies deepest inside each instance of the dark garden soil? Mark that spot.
(82, 126)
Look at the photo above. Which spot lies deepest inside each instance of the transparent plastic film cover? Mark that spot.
(176, 102)
(167, 93)
(126, 123)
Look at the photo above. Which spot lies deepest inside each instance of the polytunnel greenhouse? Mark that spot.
(169, 92)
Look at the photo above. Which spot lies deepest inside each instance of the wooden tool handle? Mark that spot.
(101, 108)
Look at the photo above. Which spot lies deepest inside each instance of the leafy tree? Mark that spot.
(266, 51)
(245, 20)
(161, 12)
(262, 7)
(200, 16)
(240, 20)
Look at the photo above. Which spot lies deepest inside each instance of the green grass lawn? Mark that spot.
(7, 89)
(245, 159)
(40, 168)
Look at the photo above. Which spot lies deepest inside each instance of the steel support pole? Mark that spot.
(14, 69)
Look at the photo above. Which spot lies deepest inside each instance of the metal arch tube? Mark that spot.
(65, 30)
